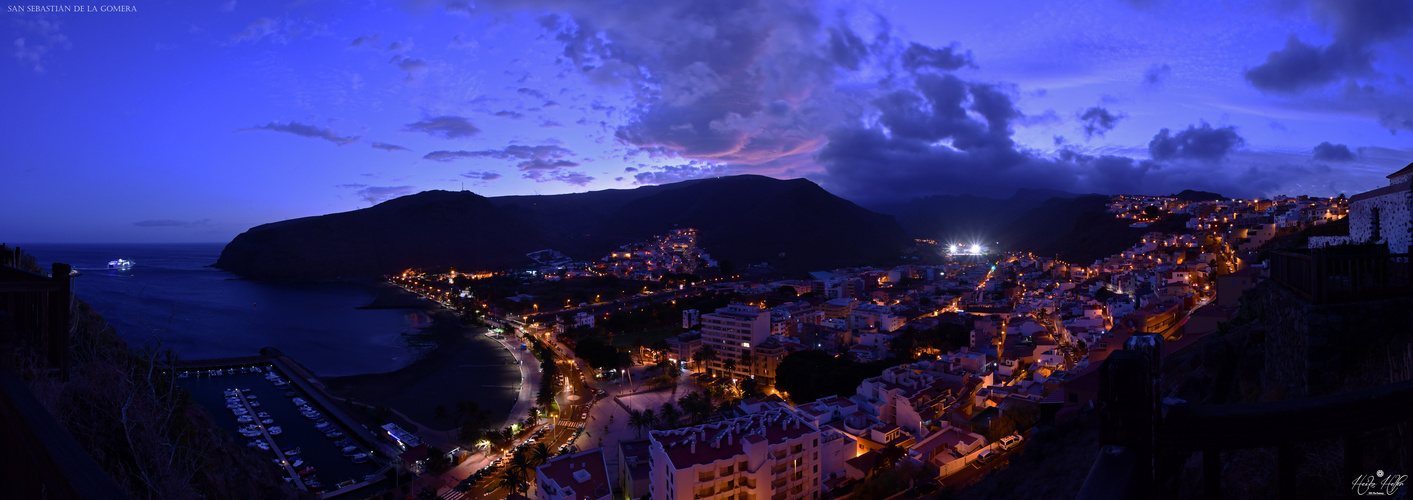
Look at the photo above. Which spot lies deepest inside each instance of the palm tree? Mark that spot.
(729, 366)
(698, 405)
(670, 415)
(540, 454)
(708, 354)
(748, 360)
(515, 476)
(649, 418)
(636, 421)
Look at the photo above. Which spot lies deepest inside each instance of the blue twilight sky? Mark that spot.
(193, 121)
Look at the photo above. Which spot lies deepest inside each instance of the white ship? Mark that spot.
(120, 265)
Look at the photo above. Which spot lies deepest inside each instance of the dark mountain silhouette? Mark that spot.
(1079, 230)
(793, 224)
(966, 218)
(1192, 195)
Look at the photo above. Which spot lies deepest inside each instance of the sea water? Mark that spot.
(172, 300)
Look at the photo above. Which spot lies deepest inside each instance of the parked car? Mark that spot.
(984, 458)
(1010, 441)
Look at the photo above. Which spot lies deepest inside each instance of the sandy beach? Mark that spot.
(465, 365)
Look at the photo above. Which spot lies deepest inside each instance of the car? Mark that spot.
(1010, 441)
(984, 458)
(463, 486)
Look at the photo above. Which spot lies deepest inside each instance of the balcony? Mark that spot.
(777, 484)
(703, 477)
(778, 454)
(779, 469)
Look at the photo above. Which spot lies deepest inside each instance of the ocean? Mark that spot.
(170, 298)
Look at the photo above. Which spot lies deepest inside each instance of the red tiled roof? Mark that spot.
(778, 425)
(562, 471)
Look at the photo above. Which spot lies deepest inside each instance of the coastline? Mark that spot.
(465, 365)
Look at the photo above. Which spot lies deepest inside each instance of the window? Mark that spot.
(816, 468)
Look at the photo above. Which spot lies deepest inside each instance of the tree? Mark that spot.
(636, 421)
(540, 454)
(649, 418)
(748, 360)
(670, 415)
(698, 405)
(705, 356)
(1151, 212)
(729, 366)
(515, 475)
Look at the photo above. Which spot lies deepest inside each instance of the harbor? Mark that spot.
(318, 447)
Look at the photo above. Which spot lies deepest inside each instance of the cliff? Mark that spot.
(793, 224)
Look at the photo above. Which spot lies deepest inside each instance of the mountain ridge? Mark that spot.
(793, 224)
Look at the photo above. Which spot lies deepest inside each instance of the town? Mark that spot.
(847, 383)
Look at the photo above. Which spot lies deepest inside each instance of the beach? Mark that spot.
(464, 365)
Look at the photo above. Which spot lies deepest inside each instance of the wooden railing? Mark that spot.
(1324, 276)
(41, 459)
(1137, 427)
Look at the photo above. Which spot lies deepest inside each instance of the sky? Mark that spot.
(179, 121)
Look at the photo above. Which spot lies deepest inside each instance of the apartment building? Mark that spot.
(771, 455)
(731, 331)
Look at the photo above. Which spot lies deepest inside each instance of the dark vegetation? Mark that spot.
(126, 410)
(792, 225)
(809, 375)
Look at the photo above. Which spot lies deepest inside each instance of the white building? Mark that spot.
(691, 318)
(580, 476)
(773, 454)
(731, 331)
(1384, 215)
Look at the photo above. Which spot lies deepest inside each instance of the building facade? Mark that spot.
(770, 455)
(732, 331)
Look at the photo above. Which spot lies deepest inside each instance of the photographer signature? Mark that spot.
(1378, 484)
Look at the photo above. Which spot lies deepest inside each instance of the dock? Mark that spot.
(280, 454)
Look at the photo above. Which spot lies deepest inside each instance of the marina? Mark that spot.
(316, 451)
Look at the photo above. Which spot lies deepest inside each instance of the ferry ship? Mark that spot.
(120, 265)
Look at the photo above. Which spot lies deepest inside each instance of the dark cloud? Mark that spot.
(365, 41)
(413, 67)
(388, 147)
(531, 92)
(1156, 74)
(946, 58)
(677, 173)
(574, 178)
(446, 127)
(545, 164)
(1196, 143)
(1333, 152)
(304, 130)
(705, 74)
(482, 176)
(547, 157)
(846, 48)
(508, 114)
(376, 194)
(550, 124)
(446, 156)
(1111, 174)
(1356, 25)
(172, 223)
(1098, 121)
(1299, 66)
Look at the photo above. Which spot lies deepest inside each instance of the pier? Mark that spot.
(280, 454)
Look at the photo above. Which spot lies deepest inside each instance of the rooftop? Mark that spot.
(708, 443)
(581, 475)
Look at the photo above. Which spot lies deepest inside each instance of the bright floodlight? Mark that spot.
(975, 248)
(952, 249)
